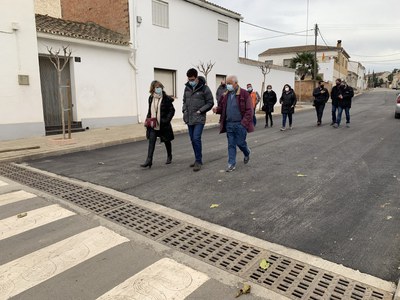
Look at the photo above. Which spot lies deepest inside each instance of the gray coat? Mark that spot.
(198, 99)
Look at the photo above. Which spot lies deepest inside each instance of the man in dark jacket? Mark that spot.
(220, 91)
(197, 101)
(335, 100)
(321, 96)
(236, 110)
(346, 94)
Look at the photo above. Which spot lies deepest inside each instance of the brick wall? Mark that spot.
(112, 14)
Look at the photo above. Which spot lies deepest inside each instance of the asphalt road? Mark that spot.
(329, 192)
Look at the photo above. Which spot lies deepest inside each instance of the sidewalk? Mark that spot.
(39, 147)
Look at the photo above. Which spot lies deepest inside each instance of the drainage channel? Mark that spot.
(286, 276)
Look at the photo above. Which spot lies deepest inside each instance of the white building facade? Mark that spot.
(21, 113)
(109, 82)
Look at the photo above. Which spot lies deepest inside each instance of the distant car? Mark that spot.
(397, 111)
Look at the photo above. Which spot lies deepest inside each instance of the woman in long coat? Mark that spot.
(161, 109)
(288, 101)
(269, 100)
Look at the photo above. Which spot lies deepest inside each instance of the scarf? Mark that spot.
(155, 108)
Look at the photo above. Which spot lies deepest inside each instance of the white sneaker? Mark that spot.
(283, 129)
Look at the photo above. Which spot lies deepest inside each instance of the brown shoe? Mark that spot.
(196, 167)
(192, 165)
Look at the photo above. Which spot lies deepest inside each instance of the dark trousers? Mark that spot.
(268, 115)
(319, 108)
(254, 118)
(284, 116)
(152, 145)
(334, 109)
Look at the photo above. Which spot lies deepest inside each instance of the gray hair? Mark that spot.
(233, 78)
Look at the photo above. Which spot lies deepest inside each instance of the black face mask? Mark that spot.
(337, 83)
(223, 85)
(322, 86)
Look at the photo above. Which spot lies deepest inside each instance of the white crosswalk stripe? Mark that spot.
(15, 197)
(41, 265)
(165, 279)
(33, 219)
(2, 183)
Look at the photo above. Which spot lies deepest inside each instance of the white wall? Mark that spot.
(192, 36)
(21, 113)
(102, 83)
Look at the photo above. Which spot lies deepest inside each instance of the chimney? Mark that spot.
(339, 44)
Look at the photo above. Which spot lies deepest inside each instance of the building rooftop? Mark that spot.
(87, 31)
(217, 8)
(299, 49)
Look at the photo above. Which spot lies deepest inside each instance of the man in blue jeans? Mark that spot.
(346, 94)
(236, 110)
(197, 101)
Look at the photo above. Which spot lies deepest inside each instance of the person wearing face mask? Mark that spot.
(162, 109)
(269, 101)
(197, 101)
(346, 93)
(236, 110)
(335, 100)
(221, 90)
(255, 99)
(321, 96)
(288, 101)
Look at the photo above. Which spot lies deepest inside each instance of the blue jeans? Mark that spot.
(334, 109)
(236, 134)
(195, 132)
(254, 118)
(339, 116)
(284, 116)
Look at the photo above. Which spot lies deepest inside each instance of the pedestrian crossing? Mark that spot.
(162, 279)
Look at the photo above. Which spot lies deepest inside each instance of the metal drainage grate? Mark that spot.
(6, 168)
(218, 250)
(285, 276)
(141, 220)
(297, 280)
(92, 200)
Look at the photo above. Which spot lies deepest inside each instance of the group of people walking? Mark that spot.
(236, 107)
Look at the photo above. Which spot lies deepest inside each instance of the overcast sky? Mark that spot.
(369, 29)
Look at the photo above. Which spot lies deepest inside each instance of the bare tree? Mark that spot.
(55, 59)
(265, 69)
(205, 68)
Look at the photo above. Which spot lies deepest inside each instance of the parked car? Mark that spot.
(397, 111)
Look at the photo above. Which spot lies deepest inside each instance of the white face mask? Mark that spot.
(286, 89)
(269, 89)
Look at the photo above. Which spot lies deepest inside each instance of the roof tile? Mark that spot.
(87, 31)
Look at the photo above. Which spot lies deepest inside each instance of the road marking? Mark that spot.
(165, 279)
(32, 269)
(15, 197)
(2, 183)
(35, 218)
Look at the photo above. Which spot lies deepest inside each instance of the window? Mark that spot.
(286, 62)
(222, 31)
(168, 79)
(160, 13)
(269, 62)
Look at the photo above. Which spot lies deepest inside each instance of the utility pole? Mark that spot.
(245, 48)
(315, 54)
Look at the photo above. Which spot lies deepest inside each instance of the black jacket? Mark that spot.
(319, 96)
(269, 100)
(335, 95)
(347, 94)
(288, 99)
(167, 112)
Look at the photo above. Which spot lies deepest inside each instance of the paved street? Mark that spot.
(333, 193)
